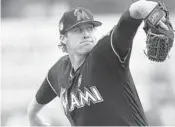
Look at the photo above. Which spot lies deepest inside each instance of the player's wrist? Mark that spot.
(142, 8)
(146, 7)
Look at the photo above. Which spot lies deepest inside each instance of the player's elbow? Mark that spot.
(33, 108)
(30, 111)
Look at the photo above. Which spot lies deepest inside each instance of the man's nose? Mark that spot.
(86, 33)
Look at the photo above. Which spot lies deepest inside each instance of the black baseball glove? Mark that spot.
(159, 40)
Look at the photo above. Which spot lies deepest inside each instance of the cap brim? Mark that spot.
(94, 23)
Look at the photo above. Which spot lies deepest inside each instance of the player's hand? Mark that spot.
(37, 121)
(162, 24)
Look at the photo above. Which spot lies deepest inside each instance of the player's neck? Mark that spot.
(76, 60)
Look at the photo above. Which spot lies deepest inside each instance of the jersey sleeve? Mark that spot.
(50, 88)
(122, 35)
(116, 46)
(45, 93)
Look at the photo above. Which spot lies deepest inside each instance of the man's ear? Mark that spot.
(63, 39)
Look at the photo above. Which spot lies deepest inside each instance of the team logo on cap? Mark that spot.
(61, 26)
(80, 14)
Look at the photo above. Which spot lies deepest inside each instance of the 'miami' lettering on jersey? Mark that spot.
(82, 98)
(64, 101)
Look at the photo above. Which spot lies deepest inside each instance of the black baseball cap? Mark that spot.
(76, 17)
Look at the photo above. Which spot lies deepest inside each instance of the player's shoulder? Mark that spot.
(104, 37)
(62, 62)
(124, 20)
(63, 59)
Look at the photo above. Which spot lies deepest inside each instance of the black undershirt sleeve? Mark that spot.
(50, 88)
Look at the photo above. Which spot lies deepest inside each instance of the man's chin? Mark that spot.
(86, 51)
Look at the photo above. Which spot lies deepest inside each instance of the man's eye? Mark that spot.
(90, 28)
(77, 30)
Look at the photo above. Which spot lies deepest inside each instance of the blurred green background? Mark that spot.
(29, 38)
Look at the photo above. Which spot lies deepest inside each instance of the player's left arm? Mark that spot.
(123, 33)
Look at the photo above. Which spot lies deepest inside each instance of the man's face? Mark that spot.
(81, 39)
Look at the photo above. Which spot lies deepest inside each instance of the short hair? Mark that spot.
(62, 46)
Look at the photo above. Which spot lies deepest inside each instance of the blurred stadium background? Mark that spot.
(29, 30)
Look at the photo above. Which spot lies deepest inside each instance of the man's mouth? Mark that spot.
(86, 41)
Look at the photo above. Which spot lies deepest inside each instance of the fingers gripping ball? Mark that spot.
(159, 40)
